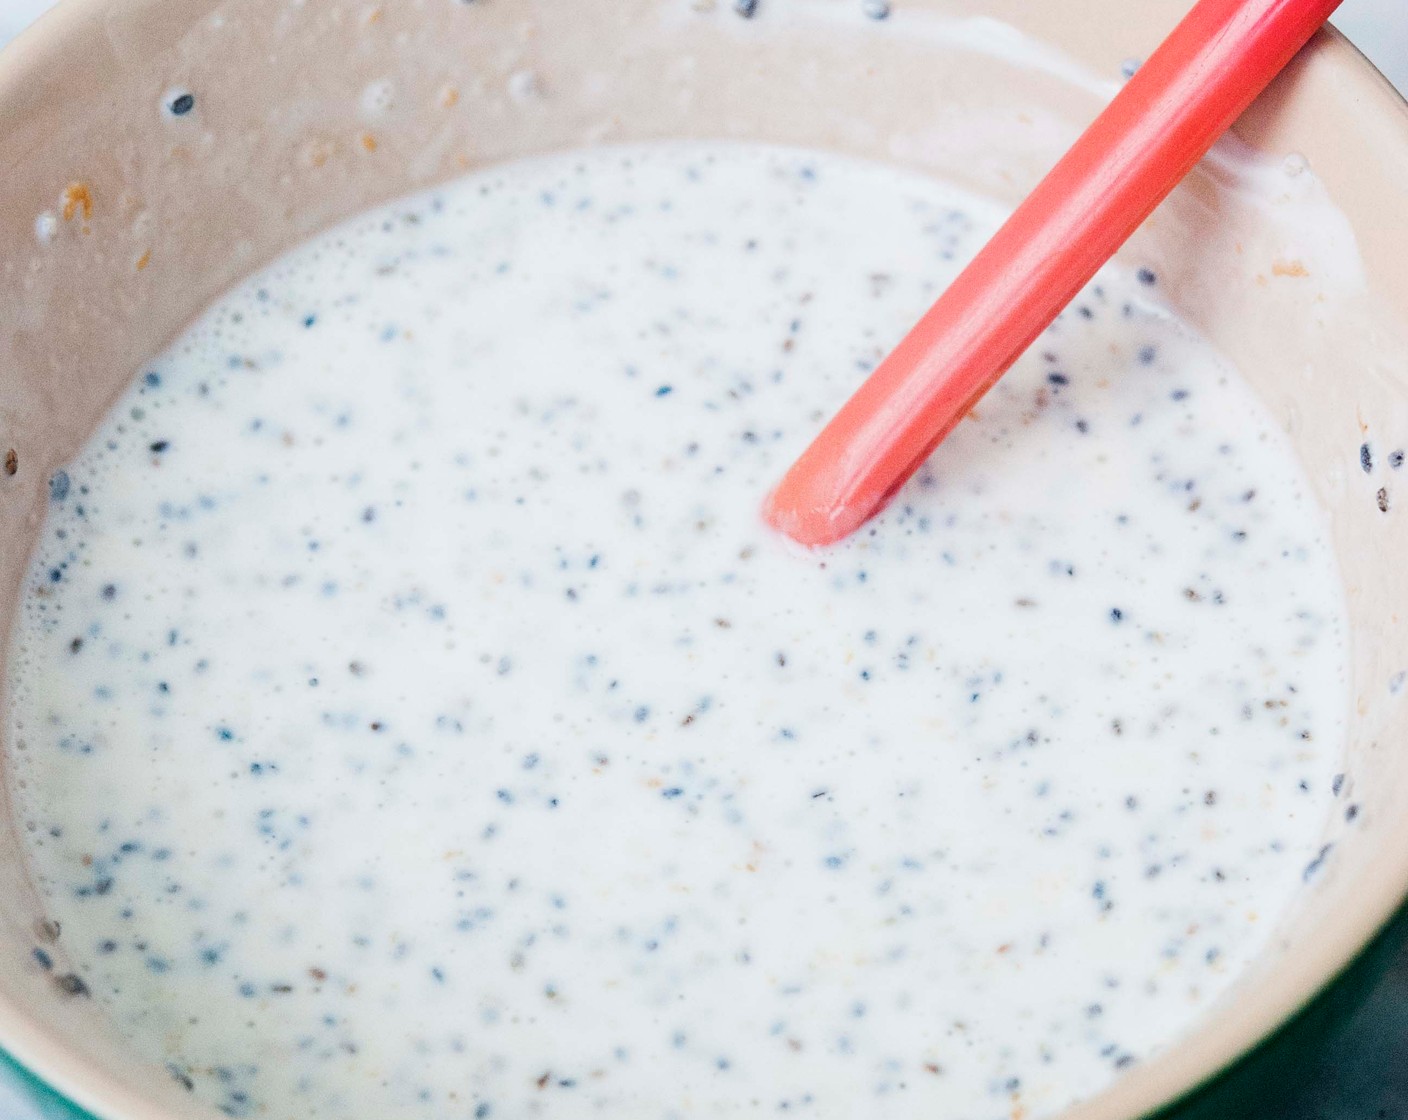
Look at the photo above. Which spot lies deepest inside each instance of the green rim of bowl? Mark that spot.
(1263, 1079)
(47, 1102)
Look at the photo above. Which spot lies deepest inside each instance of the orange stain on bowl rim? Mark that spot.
(76, 197)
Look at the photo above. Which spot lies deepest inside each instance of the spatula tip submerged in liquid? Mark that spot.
(1203, 76)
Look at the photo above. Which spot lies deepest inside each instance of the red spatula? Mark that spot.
(1161, 123)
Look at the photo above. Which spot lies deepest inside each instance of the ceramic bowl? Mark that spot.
(121, 219)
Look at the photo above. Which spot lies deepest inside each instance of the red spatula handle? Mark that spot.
(1161, 123)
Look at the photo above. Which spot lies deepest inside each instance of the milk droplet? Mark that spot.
(379, 98)
(523, 85)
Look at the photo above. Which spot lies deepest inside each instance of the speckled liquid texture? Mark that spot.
(413, 719)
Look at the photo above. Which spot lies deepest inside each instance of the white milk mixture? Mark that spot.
(412, 717)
